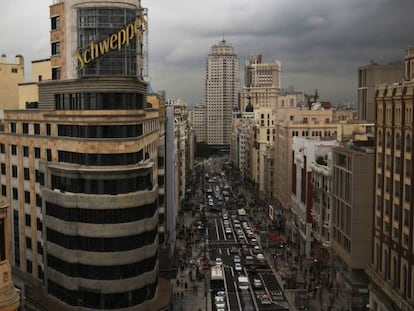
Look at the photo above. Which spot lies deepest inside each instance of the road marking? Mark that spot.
(237, 296)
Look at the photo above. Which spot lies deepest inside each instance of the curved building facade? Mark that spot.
(88, 159)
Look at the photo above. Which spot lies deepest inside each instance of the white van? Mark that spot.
(243, 282)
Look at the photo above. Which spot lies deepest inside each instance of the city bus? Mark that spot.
(217, 279)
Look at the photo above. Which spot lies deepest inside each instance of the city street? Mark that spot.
(218, 233)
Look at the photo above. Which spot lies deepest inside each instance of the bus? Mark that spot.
(242, 214)
(217, 279)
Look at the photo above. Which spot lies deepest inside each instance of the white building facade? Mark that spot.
(222, 86)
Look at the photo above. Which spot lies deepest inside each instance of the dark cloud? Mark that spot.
(320, 43)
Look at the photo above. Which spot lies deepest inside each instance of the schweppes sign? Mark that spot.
(115, 41)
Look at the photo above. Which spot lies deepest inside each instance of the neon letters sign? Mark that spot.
(115, 41)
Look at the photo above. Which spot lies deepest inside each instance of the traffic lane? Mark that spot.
(274, 290)
(232, 292)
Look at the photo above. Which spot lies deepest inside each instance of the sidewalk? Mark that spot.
(310, 284)
(190, 293)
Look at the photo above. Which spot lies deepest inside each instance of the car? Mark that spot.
(237, 258)
(219, 261)
(253, 242)
(264, 299)
(256, 249)
(219, 302)
(257, 283)
(260, 256)
(228, 230)
(234, 250)
(225, 217)
(238, 267)
(221, 293)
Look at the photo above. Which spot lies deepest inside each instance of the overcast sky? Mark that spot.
(320, 43)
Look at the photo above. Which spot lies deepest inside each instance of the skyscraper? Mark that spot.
(222, 89)
(80, 172)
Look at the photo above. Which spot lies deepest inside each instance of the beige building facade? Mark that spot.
(11, 74)
(368, 77)
(9, 297)
(29, 91)
(295, 122)
(392, 270)
(352, 189)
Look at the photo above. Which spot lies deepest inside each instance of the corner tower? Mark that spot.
(81, 169)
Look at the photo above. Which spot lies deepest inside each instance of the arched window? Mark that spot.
(395, 272)
(379, 138)
(378, 257)
(405, 282)
(397, 141)
(386, 266)
(388, 140)
(408, 143)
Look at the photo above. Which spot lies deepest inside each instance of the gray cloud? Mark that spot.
(320, 43)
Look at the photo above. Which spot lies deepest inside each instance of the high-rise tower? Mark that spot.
(222, 89)
(80, 172)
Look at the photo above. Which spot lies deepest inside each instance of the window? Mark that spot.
(408, 143)
(398, 141)
(3, 190)
(3, 168)
(48, 130)
(13, 149)
(397, 166)
(2, 148)
(14, 171)
(26, 173)
(55, 23)
(49, 154)
(396, 212)
(25, 128)
(38, 200)
(39, 225)
(25, 151)
(27, 197)
(28, 243)
(15, 194)
(408, 168)
(13, 127)
(37, 153)
(55, 48)
(56, 73)
(37, 129)
(388, 140)
(14, 70)
(28, 220)
(407, 193)
(397, 189)
(379, 138)
(39, 248)
(29, 267)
